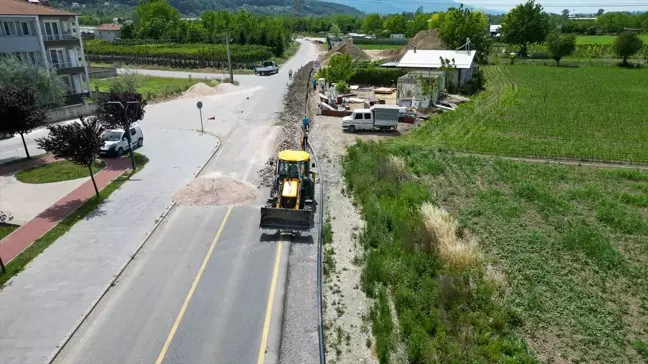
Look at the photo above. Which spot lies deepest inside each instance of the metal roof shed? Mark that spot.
(432, 58)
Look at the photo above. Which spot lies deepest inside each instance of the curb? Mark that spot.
(112, 282)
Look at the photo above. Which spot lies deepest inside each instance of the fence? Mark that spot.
(97, 73)
(70, 112)
(172, 62)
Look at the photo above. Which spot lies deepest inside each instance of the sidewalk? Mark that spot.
(27, 234)
(42, 306)
(11, 168)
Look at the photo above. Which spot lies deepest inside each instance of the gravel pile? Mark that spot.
(215, 190)
(290, 119)
(202, 89)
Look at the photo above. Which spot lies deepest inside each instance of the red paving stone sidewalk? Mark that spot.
(26, 235)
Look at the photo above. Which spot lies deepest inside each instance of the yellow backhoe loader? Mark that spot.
(290, 206)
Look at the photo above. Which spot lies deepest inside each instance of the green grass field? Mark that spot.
(560, 277)
(381, 47)
(603, 39)
(596, 113)
(57, 172)
(155, 87)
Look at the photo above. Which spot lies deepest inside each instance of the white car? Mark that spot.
(116, 142)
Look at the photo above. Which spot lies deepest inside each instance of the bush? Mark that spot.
(377, 76)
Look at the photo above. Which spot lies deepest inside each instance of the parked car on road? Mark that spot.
(116, 141)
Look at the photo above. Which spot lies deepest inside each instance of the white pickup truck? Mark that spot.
(377, 117)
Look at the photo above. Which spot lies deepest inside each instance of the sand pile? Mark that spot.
(215, 190)
(202, 89)
(224, 88)
(346, 47)
(199, 89)
(425, 39)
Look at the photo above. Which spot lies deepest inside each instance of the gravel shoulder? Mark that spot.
(346, 307)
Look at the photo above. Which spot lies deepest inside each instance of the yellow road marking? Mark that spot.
(273, 286)
(174, 328)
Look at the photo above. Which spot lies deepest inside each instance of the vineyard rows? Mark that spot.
(180, 55)
(587, 51)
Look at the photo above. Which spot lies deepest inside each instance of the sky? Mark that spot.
(556, 6)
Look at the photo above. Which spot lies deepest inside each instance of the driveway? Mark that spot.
(199, 287)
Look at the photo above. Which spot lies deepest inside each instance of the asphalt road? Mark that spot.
(207, 287)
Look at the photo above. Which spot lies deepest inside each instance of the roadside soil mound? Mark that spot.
(346, 47)
(199, 89)
(215, 190)
(202, 89)
(425, 39)
(290, 119)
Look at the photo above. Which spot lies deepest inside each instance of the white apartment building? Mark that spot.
(49, 37)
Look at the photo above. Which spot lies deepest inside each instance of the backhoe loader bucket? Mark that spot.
(286, 219)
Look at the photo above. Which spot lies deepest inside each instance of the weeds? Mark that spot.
(563, 256)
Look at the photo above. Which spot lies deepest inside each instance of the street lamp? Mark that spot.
(127, 127)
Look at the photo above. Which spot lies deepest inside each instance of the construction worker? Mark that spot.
(306, 122)
(290, 74)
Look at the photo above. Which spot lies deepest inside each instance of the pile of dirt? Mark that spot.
(425, 39)
(224, 88)
(199, 89)
(346, 47)
(290, 119)
(202, 89)
(215, 190)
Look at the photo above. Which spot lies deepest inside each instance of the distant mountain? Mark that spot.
(400, 6)
(193, 8)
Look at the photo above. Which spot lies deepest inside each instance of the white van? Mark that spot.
(116, 142)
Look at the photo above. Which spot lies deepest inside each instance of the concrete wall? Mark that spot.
(70, 112)
(97, 73)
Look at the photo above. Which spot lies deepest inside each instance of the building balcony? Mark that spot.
(61, 39)
(68, 68)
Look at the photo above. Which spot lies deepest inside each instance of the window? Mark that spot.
(9, 28)
(25, 28)
(132, 131)
(358, 116)
(367, 116)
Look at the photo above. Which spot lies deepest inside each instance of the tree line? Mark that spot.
(157, 21)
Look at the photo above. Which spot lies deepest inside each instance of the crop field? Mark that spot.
(154, 87)
(559, 257)
(593, 113)
(603, 39)
(173, 54)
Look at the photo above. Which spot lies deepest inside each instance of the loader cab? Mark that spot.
(293, 164)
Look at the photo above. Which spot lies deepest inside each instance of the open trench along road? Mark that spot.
(206, 287)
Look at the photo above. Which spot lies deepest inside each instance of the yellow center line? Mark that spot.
(273, 286)
(174, 328)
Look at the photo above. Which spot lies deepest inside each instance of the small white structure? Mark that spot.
(495, 31)
(108, 32)
(462, 63)
(409, 91)
(397, 36)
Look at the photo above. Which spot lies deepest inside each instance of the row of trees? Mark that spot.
(158, 21)
(528, 24)
(23, 109)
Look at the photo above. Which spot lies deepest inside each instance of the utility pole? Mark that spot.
(127, 126)
(229, 58)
